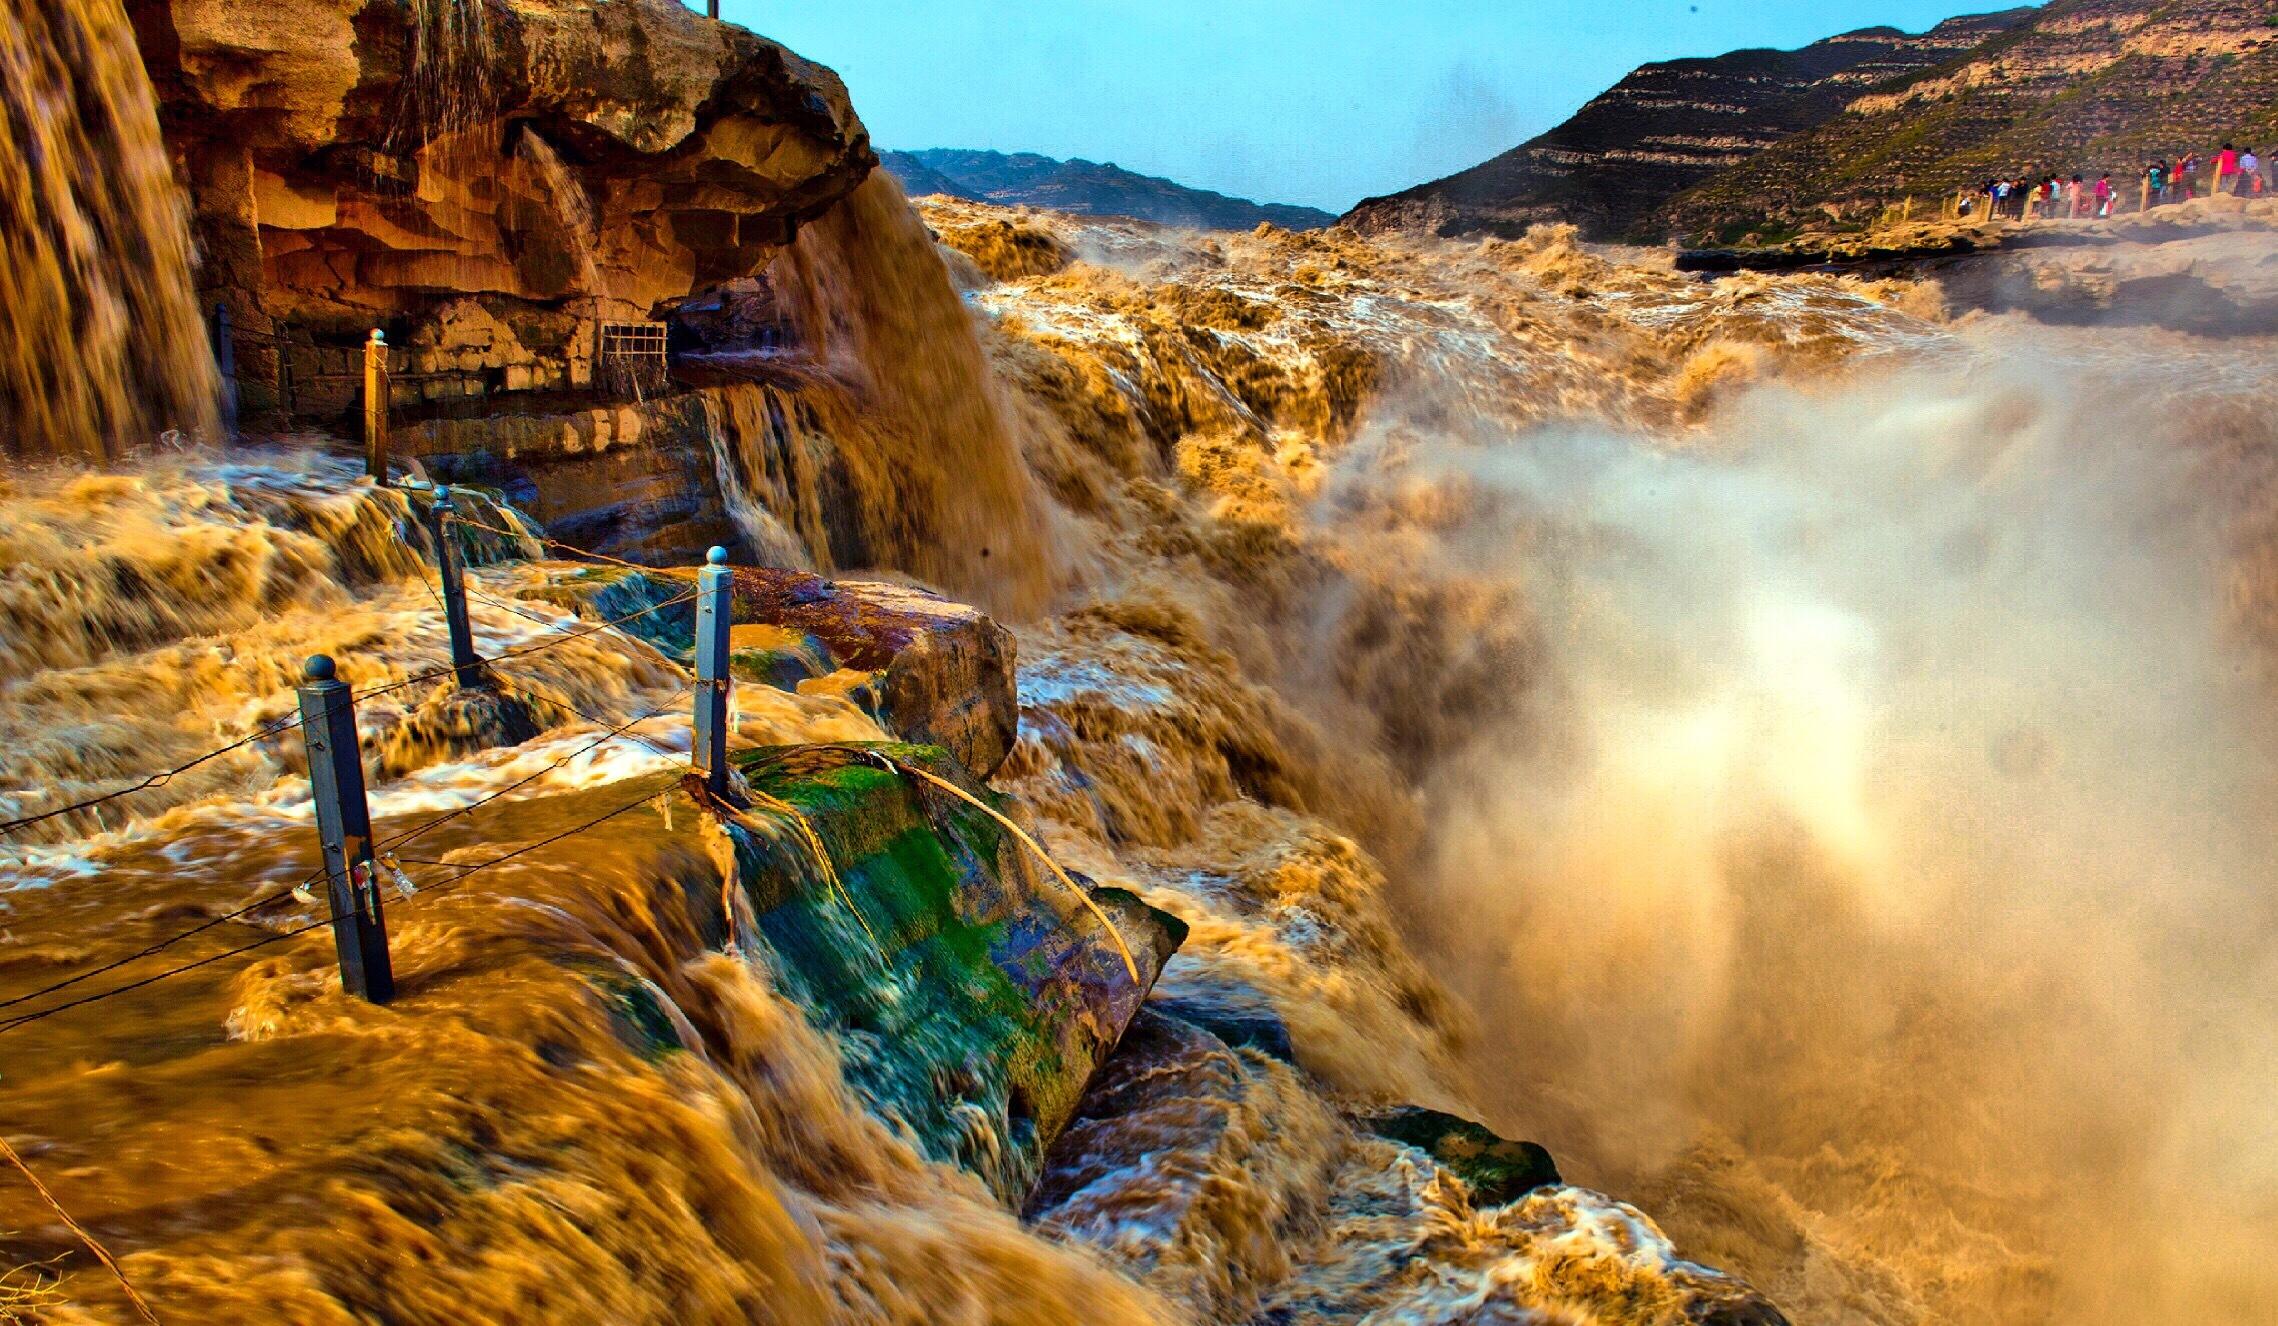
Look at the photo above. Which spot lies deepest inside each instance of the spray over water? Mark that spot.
(932, 467)
(1877, 883)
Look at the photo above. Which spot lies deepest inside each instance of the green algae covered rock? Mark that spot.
(1496, 1169)
(972, 993)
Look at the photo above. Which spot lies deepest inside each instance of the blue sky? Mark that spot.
(1306, 101)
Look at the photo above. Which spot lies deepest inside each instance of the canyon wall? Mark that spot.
(1764, 141)
(486, 182)
(1665, 128)
(2081, 87)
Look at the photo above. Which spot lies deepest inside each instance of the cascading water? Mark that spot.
(550, 179)
(102, 349)
(1601, 779)
(932, 468)
(1844, 742)
(448, 91)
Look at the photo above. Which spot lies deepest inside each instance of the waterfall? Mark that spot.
(934, 469)
(452, 54)
(102, 348)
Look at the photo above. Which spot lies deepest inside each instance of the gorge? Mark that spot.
(1775, 742)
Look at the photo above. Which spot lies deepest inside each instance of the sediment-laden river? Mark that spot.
(1800, 751)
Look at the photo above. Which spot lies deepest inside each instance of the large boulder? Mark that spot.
(1193, 1166)
(973, 993)
(1220, 1178)
(943, 671)
(930, 670)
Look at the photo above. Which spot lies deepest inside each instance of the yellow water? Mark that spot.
(103, 349)
(1787, 749)
(1841, 735)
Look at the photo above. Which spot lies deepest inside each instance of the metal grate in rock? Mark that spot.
(631, 362)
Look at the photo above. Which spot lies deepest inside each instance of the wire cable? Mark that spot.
(623, 729)
(385, 846)
(281, 936)
(162, 778)
(154, 780)
(550, 542)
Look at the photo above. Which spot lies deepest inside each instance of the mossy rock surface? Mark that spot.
(971, 992)
(1496, 1169)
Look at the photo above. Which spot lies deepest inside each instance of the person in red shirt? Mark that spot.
(2104, 195)
(2226, 166)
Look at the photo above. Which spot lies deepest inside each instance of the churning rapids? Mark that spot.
(1802, 753)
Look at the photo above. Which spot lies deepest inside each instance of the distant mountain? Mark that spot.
(1087, 188)
(1765, 141)
(2082, 86)
(1668, 127)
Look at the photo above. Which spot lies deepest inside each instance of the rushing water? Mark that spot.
(1806, 759)
(1846, 796)
(102, 349)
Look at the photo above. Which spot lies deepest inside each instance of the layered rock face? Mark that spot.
(1667, 127)
(488, 182)
(2082, 86)
(1712, 150)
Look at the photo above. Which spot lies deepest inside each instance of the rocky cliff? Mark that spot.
(1667, 127)
(1086, 188)
(2082, 86)
(489, 182)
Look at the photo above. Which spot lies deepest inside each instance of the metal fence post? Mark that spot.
(441, 517)
(715, 601)
(376, 408)
(225, 364)
(344, 823)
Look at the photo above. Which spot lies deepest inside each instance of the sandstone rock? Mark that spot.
(945, 670)
(931, 671)
(1220, 1179)
(1192, 1166)
(653, 502)
(1217, 1002)
(349, 170)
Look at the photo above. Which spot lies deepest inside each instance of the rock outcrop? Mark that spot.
(938, 672)
(1086, 188)
(1214, 1175)
(2080, 86)
(930, 670)
(972, 995)
(2208, 267)
(489, 180)
(1665, 128)
(1761, 143)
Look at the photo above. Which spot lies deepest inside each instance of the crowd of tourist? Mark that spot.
(2233, 170)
